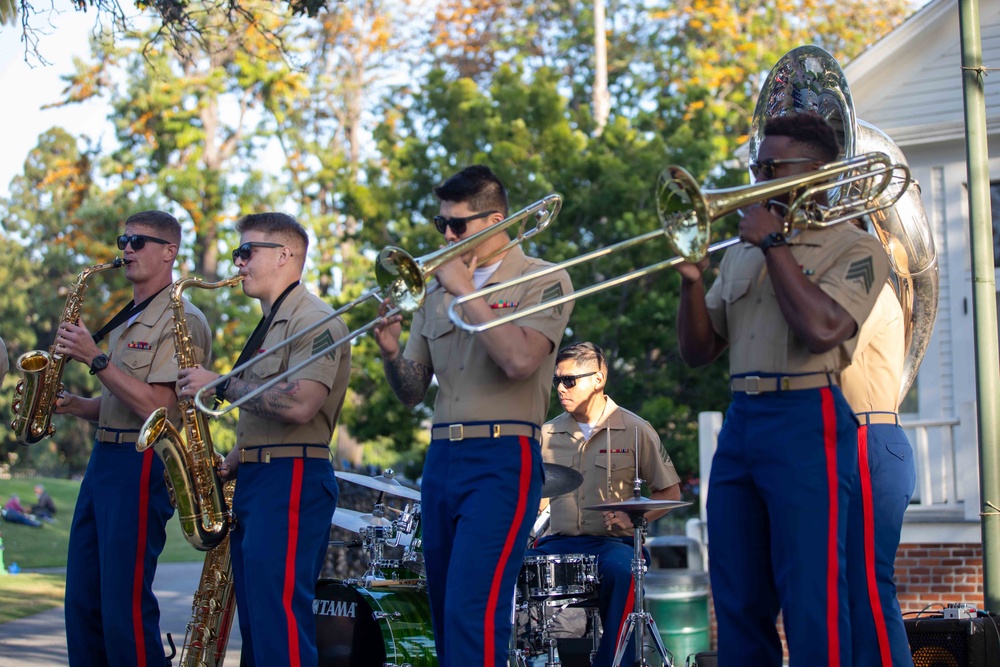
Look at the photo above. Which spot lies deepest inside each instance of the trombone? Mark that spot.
(686, 214)
(401, 278)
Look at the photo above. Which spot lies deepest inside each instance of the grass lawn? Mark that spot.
(47, 547)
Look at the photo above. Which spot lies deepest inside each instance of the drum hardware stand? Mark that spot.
(641, 620)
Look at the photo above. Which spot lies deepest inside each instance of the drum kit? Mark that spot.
(382, 619)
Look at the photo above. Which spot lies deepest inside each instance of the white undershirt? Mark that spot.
(586, 429)
(481, 275)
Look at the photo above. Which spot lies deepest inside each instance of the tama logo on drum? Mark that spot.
(341, 608)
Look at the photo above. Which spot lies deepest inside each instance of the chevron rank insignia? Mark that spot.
(322, 341)
(552, 292)
(863, 270)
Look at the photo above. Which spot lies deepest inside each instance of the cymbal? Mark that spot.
(385, 483)
(559, 480)
(639, 505)
(356, 521)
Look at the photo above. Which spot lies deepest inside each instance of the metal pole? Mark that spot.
(984, 296)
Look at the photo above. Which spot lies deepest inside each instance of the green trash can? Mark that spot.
(678, 602)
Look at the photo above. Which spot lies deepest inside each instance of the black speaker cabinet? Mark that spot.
(941, 642)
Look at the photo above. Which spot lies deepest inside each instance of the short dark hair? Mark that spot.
(165, 224)
(477, 186)
(806, 128)
(273, 222)
(583, 353)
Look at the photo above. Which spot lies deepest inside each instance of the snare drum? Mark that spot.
(558, 575)
(373, 627)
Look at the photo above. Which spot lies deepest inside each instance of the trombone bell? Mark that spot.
(400, 277)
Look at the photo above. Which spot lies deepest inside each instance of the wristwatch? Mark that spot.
(99, 363)
(771, 240)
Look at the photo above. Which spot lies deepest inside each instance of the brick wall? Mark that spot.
(937, 574)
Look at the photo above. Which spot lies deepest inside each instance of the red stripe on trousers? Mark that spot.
(629, 604)
(139, 572)
(869, 532)
(294, 501)
(524, 486)
(832, 556)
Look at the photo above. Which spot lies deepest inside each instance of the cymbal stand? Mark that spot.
(639, 620)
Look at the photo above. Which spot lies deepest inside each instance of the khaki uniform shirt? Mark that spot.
(298, 311)
(848, 264)
(472, 386)
(4, 361)
(607, 462)
(146, 350)
(873, 380)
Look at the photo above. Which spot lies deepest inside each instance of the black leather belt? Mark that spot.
(116, 436)
(755, 384)
(457, 432)
(265, 453)
(878, 418)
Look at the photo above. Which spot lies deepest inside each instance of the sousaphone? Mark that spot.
(809, 79)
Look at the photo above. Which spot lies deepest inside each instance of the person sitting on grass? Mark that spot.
(14, 512)
(44, 508)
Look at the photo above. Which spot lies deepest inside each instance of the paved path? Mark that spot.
(40, 640)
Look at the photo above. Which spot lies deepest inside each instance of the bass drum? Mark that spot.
(382, 626)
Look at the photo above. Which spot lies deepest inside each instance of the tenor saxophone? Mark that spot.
(36, 393)
(190, 468)
(213, 607)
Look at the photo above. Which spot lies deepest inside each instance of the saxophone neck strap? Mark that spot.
(124, 315)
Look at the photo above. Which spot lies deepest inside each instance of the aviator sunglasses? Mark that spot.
(246, 250)
(458, 225)
(138, 241)
(765, 169)
(569, 381)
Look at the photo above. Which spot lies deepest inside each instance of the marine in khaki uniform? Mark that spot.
(286, 492)
(483, 474)
(118, 530)
(885, 482)
(788, 310)
(598, 438)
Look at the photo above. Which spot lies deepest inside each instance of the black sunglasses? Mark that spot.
(765, 169)
(569, 381)
(138, 241)
(458, 224)
(246, 250)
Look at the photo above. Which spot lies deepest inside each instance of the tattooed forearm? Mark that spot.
(408, 379)
(271, 404)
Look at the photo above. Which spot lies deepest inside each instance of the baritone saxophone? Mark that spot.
(190, 467)
(36, 393)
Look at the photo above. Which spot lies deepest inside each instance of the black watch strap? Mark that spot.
(772, 240)
(99, 363)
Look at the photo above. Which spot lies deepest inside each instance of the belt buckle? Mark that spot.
(752, 384)
(243, 458)
(456, 432)
(496, 430)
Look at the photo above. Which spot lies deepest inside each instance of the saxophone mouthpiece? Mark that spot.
(121, 261)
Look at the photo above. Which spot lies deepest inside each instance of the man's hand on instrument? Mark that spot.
(190, 380)
(757, 222)
(455, 276)
(614, 520)
(691, 271)
(74, 341)
(228, 468)
(388, 330)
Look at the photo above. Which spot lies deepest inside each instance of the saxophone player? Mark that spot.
(286, 491)
(118, 530)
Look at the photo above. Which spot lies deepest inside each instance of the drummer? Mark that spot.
(598, 438)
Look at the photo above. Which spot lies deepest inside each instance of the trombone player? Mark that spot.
(286, 491)
(483, 474)
(789, 309)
